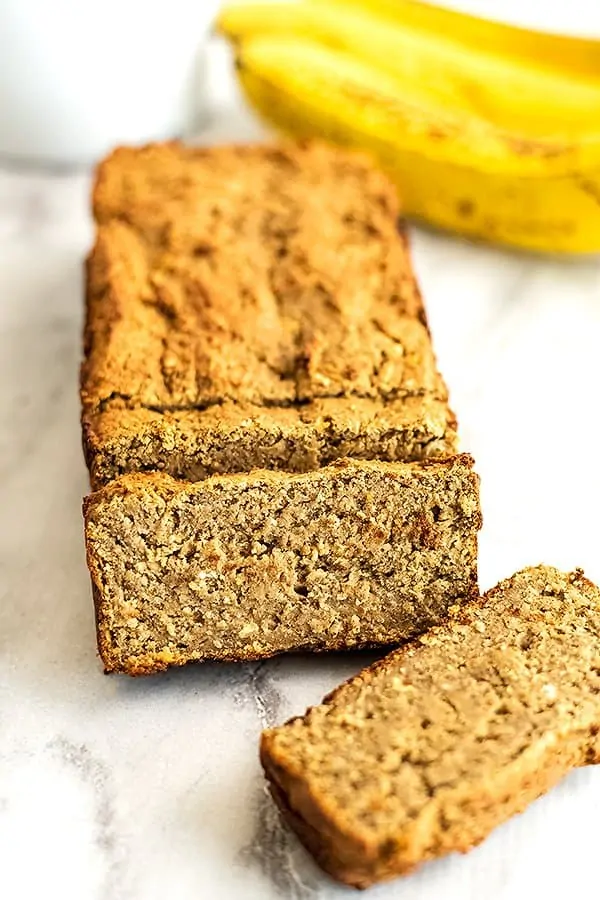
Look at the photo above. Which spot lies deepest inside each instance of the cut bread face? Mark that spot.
(430, 749)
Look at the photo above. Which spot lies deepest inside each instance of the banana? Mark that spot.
(572, 55)
(457, 171)
(511, 93)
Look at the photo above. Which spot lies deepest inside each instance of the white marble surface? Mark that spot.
(115, 789)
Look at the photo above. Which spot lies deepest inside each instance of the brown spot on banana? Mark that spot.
(465, 208)
(541, 149)
(437, 134)
(591, 189)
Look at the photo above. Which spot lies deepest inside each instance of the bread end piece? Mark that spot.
(426, 752)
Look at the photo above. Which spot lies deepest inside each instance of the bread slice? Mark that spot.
(251, 306)
(426, 752)
(246, 566)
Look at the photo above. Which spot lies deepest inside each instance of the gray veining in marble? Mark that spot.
(115, 789)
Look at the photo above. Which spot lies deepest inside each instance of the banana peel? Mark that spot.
(456, 171)
(571, 55)
(433, 67)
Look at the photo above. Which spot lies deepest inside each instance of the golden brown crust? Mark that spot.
(200, 294)
(426, 752)
(262, 277)
(334, 857)
(244, 566)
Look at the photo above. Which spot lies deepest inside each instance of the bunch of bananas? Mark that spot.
(488, 130)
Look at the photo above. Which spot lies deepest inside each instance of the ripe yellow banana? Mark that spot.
(514, 94)
(454, 170)
(559, 52)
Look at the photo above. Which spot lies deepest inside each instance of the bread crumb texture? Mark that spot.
(246, 566)
(430, 749)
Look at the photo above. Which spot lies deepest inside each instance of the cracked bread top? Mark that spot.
(270, 275)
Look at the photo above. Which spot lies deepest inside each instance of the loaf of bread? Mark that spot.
(253, 307)
(240, 567)
(427, 751)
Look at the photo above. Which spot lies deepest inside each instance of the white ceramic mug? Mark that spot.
(78, 77)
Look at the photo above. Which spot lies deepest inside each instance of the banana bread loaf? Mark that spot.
(430, 749)
(253, 306)
(246, 566)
